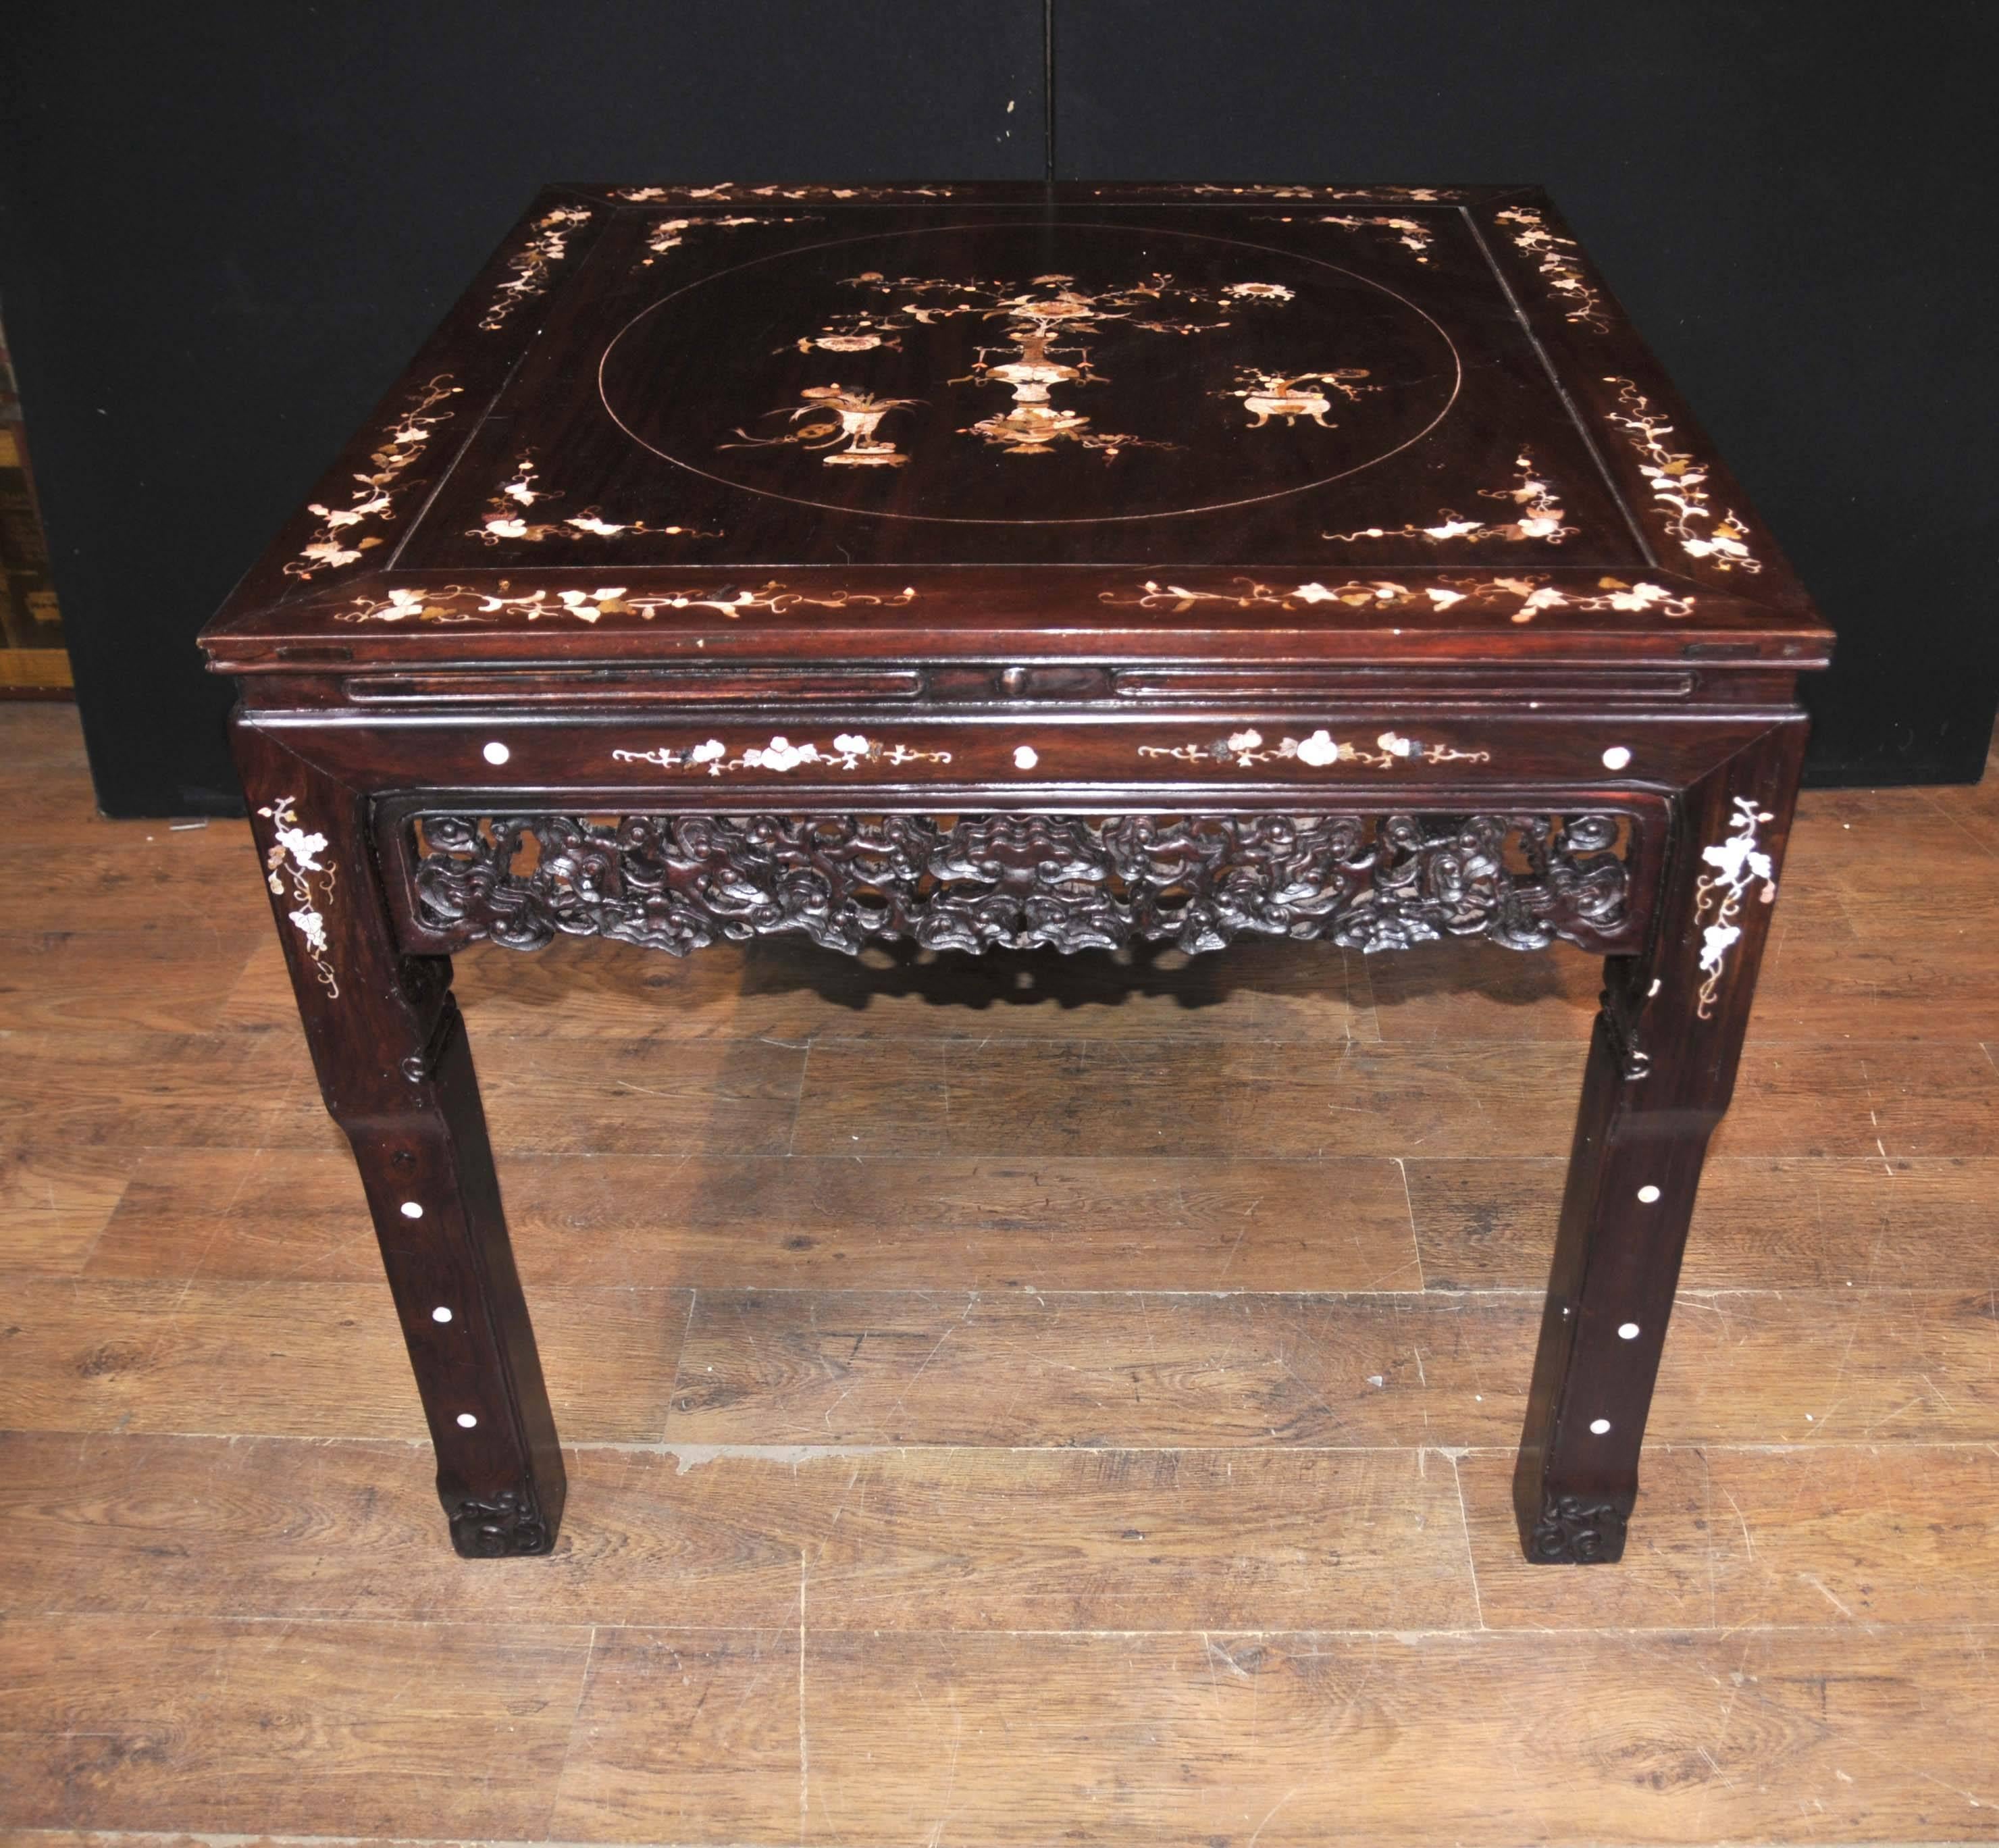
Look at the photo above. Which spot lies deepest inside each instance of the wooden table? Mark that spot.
(997, 566)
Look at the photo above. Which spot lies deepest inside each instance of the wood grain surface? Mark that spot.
(949, 1467)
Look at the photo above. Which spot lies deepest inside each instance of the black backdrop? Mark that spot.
(224, 226)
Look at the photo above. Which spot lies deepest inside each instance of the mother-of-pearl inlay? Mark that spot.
(1740, 865)
(848, 751)
(1320, 750)
(295, 866)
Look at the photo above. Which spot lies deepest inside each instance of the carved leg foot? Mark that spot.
(1580, 1530)
(510, 1522)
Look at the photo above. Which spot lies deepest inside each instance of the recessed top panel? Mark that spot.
(1028, 375)
(1156, 384)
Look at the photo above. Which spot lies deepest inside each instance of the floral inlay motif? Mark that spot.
(1539, 516)
(335, 542)
(527, 270)
(456, 603)
(1411, 233)
(843, 425)
(1679, 485)
(1739, 866)
(507, 516)
(1556, 259)
(670, 233)
(849, 751)
(1391, 751)
(728, 189)
(1401, 194)
(1529, 596)
(294, 867)
(1265, 395)
(1048, 323)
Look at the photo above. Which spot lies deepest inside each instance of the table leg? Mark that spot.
(1662, 1063)
(396, 1070)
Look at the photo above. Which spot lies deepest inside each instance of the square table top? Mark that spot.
(1086, 421)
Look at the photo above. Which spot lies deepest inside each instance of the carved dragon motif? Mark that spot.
(1020, 881)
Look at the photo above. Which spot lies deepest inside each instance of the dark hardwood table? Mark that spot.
(999, 566)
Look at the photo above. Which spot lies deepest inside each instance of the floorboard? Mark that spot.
(1009, 1401)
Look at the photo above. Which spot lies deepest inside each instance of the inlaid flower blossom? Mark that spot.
(1520, 598)
(1559, 261)
(1411, 233)
(1539, 516)
(460, 604)
(302, 849)
(729, 189)
(345, 533)
(295, 868)
(1678, 485)
(508, 516)
(849, 750)
(527, 270)
(1317, 750)
(1740, 865)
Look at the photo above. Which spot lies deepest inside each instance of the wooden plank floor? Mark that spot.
(1010, 1403)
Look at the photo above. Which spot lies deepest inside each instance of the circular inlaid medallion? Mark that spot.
(1030, 374)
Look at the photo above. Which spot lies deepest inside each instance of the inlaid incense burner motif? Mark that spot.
(843, 426)
(1047, 326)
(1268, 395)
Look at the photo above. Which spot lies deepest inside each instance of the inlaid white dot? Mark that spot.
(412, 1210)
(496, 753)
(1627, 1331)
(1648, 1194)
(1616, 758)
(467, 1421)
(1599, 1426)
(1026, 757)
(440, 1314)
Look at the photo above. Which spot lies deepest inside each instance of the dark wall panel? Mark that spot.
(225, 228)
(1793, 201)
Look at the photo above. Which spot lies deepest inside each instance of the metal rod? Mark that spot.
(1048, 88)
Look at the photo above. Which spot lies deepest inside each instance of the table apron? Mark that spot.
(1091, 762)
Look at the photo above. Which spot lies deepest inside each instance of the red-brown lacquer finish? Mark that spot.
(996, 568)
